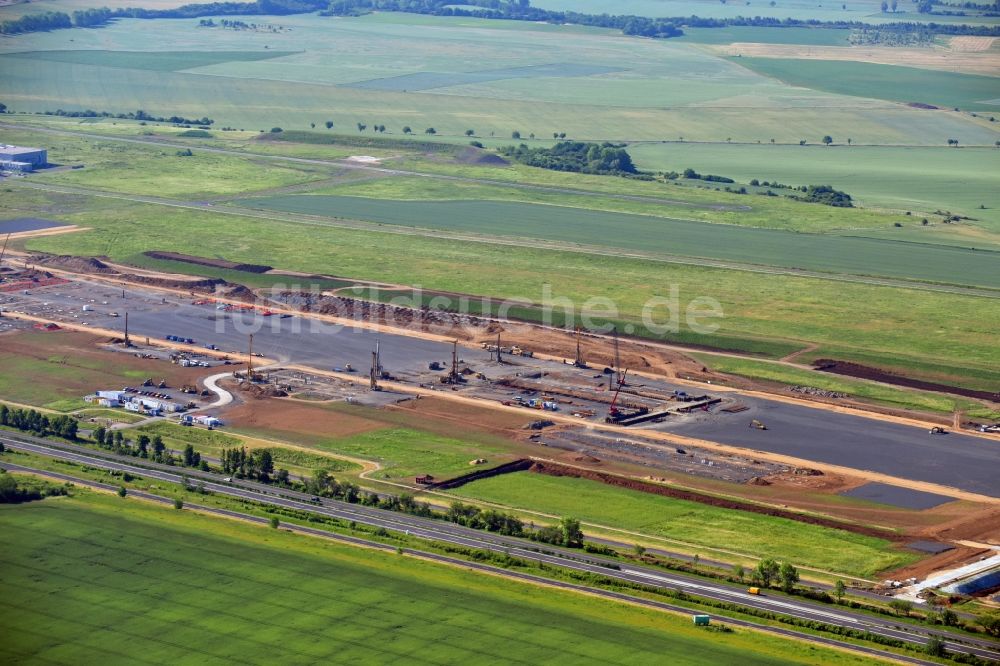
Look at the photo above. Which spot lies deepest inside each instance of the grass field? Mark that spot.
(746, 533)
(888, 82)
(946, 329)
(212, 442)
(404, 452)
(93, 571)
(667, 89)
(56, 369)
(679, 237)
(961, 180)
(159, 171)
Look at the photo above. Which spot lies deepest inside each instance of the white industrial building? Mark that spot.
(22, 159)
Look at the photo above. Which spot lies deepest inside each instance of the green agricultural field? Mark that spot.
(731, 34)
(904, 178)
(834, 254)
(888, 82)
(659, 89)
(92, 570)
(946, 329)
(746, 533)
(680, 199)
(877, 393)
(155, 61)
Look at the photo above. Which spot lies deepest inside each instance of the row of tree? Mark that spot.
(131, 115)
(256, 465)
(33, 421)
(12, 492)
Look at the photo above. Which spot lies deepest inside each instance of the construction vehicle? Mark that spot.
(613, 412)
(937, 430)
(757, 425)
(162, 384)
(189, 388)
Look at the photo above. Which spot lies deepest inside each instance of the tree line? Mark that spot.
(33, 421)
(131, 115)
(14, 492)
(576, 156)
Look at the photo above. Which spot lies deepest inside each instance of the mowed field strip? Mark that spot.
(83, 567)
(842, 254)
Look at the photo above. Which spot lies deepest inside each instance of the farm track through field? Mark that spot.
(531, 243)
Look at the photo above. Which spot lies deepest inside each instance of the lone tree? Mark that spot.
(767, 570)
(839, 589)
(828, 139)
(885, 6)
(571, 532)
(739, 572)
(789, 576)
(407, 130)
(122, 492)
(362, 127)
(430, 130)
(515, 135)
(329, 124)
(469, 132)
(274, 522)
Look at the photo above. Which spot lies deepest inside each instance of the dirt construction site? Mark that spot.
(569, 399)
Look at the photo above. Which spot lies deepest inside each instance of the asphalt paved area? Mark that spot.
(21, 224)
(962, 461)
(906, 498)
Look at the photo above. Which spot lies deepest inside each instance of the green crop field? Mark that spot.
(746, 533)
(960, 180)
(87, 579)
(659, 89)
(731, 34)
(888, 82)
(156, 61)
(758, 246)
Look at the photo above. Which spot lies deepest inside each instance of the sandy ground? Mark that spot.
(313, 421)
(972, 44)
(966, 60)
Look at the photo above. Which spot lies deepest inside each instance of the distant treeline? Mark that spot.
(577, 156)
(131, 115)
(515, 10)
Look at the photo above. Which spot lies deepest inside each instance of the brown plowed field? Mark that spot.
(302, 421)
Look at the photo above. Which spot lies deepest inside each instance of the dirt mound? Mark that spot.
(867, 372)
(554, 469)
(261, 392)
(240, 293)
(71, 263)
(205, 261)
(473, 155)
(205, 284)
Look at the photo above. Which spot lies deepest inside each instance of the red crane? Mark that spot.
(613, 411)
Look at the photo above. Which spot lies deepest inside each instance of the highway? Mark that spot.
(456, 534)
